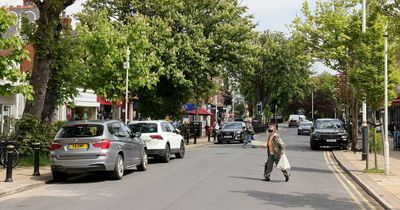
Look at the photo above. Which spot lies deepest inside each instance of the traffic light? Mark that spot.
(259, 107)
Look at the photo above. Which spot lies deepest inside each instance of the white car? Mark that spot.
(161, 139)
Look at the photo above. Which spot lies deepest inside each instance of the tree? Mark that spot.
(192, 42)
(282, 71)
(12, 53)
(44, 37)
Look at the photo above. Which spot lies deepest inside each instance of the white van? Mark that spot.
(296, 119)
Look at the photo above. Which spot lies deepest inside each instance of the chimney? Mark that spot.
(28, 2)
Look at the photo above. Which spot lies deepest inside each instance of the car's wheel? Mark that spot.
(298, 133)
(344, 147)
(143, 164)
(118, 171)
(313, 146)
(241, 141)
(181, 152)
(167, 154)
(59, 176)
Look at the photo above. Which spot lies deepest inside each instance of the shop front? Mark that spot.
(84, 107)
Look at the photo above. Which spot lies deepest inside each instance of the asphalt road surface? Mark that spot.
(224, 176)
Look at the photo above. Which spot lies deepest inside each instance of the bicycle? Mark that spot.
(4, 155)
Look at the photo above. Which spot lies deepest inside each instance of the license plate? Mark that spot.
(77, 146)
(227, 136)
(331, 140)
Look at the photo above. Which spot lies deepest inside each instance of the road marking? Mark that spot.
(342, 179)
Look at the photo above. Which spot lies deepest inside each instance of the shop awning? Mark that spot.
(199, 111)
(103, 101)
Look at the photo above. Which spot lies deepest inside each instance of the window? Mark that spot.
(85, 130)
(165, 127)
(116, 129)
(143, 127)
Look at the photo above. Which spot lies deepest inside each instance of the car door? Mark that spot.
(125, 141)
(175, 138)
(135, 145)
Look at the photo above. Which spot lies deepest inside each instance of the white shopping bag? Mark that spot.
(283, 163)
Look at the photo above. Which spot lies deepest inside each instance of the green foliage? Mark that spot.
(376, 144)
(14, 53)
(29, 130)
(179, 45)
(374, 171)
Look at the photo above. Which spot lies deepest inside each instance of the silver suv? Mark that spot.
(86, 146)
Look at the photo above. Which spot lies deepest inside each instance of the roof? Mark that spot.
(199, 111)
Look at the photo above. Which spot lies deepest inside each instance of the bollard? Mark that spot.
(209, 134)
(187, 135)
(195, 136)
(10, 153)
(36, 148)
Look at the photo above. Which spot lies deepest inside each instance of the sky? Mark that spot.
(274, 15)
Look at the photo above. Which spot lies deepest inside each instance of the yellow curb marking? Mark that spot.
(342, 179)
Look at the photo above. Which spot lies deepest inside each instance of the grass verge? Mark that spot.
(374, 171)
(24, 161)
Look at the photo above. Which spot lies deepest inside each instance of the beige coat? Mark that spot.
(278, 147)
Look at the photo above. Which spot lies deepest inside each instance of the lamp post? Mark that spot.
(126, 66)
(386, 142)
(365, 149)
(312, 105)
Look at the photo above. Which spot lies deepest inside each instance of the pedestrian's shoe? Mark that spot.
(287, 177)
(244, 146)
(266, 179)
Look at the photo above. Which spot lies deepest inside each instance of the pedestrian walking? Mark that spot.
(392, 128)
(249, 132)
(275, 149)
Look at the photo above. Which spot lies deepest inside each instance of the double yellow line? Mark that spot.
(354, 193)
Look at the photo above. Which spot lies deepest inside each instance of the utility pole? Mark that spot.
(312, 105)
(365, 148)
(386, 142)
(126, 66)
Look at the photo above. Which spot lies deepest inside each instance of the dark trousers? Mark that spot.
(269, 166)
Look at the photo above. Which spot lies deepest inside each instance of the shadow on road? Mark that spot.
(300, 200)
(311, 170)
(255, 179)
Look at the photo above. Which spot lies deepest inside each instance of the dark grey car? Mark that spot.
(232, 131)
(304, 128)
(86, 146)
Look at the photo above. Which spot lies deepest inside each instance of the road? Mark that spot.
(223, 176)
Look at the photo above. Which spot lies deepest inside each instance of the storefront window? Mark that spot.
(5, 119)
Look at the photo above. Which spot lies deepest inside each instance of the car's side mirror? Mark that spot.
(138, 134)
(244, 127)
(177, 131)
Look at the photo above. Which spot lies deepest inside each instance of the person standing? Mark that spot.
(275, 148)
(392, 128)
(249, 132)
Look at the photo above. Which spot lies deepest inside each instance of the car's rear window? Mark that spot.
(143, 127)
(84, 130)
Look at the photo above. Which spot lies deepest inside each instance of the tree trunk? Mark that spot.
(45, 37)
(50, 104)
(354, 128)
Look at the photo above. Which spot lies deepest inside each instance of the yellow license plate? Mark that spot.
(77, 146)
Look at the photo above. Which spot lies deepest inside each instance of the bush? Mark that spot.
(29, 130)
(377, 145)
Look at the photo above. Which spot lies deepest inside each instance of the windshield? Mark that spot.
(306, 124)
(331, 124)
(233, 126)
(143, 127)
(86, 130)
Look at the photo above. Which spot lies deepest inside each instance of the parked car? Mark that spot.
(86, 146)
(328, 132)
(232, 131)
(296, 119)
(161, 139)
(304, 128)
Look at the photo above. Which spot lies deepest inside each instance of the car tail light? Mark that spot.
(158, 137)
(55, 146)
(103, 144)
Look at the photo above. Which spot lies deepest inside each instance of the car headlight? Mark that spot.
(317, 135)
(238, 132)
(300, 128)
(344, 136)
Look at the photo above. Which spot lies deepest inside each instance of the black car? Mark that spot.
(328, 132)
(232, 131)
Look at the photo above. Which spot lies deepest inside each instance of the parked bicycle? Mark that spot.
(4, 155)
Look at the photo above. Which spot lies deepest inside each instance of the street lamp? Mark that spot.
(365, 149)
(386, 142)
(221, 82)
(126, 66)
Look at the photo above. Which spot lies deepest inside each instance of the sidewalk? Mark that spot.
(385, 189)
(23, 179)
